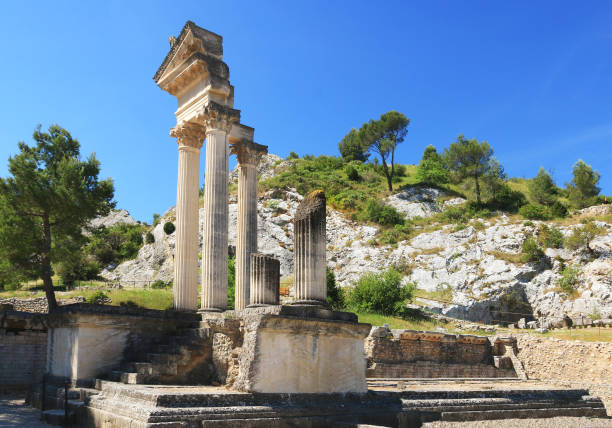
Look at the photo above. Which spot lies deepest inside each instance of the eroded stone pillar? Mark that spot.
(215, 228)
(309, 250)
(248, 154)
(185, 289)
(265, 280)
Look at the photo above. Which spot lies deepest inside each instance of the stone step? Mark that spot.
(130, 378)
(465, 416)
(58, 417)
(496, 404)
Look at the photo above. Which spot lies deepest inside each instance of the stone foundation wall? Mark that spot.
(419, 354)
(570, 363)
(23, 350)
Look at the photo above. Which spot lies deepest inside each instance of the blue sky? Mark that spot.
(534, 79)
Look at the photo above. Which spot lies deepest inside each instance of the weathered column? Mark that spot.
(248, 154)
(215, 228)
(185, 289)
(309, 250)
(265, 280)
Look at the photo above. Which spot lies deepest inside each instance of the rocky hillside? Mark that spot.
(476, 268)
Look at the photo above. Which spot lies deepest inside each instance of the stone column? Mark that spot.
(189, 138)
(215, 228)
(248, 154)
(309, 250)
(265, 280)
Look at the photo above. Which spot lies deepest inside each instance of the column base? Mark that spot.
(310, 303)
(206, 310)
(261, 305)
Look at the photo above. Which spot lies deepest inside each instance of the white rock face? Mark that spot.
(421, 202)
(113, 218)
(266, 168)
(478, 264)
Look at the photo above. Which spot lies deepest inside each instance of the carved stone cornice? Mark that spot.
(248, 152)
(219, 117)
(189, 134)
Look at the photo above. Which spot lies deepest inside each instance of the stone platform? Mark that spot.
(386, 403)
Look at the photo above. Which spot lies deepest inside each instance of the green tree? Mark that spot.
(583, 189)
(335, 297)
(382, 137)
(582, 237)
(471, 159)
(431, 168)
(49, 197)
(380, 293)
(352, 148)
(542, 188)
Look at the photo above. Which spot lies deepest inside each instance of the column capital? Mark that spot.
(219, 117)
(248, 152)
(189, 134)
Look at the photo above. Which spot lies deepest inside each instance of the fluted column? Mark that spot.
(185, 289)
(215, 228)
(248, 154)
(309, 250)
(265, 280)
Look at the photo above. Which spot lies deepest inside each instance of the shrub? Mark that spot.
(292, 155)
(570, 276)
(551, 236)
(169, 227)
(380, 293)
(400, 232)
(399, 170)
(381, 213)
(159, 284)
(98, 298)
(531, 251)
(352, 173)
(506, 199)
(335, 296)
(156, 219)
(149, 239)
(582, 236)
(558, 210)
(231, 282)
(533, 212)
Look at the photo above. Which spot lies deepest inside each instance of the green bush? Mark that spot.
(335, 296)
(352, 173)
(533, 212)
(380, 293)
(506, 199)
(558, 210)
(231, 283)
(570, 275)
(115, 244)
(582, 236)
(169, 227)
(551, 236)
(156, 219)
(399, 232)
(292, 155)
(98, 298)
(159, 284)
(379, 212)
(149, 239)
(531, 251)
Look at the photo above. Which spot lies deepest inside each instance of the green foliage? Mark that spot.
(46, 202)
(98, 298)
(79, 267)
(532, 252)
(381, 213)
(352, 173)
(382, 137)
(534, 212)
(169, 227)
(464, 213)
(149, 239)
(506, 199)
(380, 293)
(432, 170)
(557, 210)
(335, 296)
(583, 189)
(292, 156)
(10, 279)
(582, 236)
(570, 276)
(231, 282)
(542, 188)
(115, 244)
(159, 284)
(398, 233)
(156, 219)
(352, 148)
(550, 236)
(471, 159)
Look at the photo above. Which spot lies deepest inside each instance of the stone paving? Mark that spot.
(562, 422)
(15, 413)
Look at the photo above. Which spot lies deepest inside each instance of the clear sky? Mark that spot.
(532, 78)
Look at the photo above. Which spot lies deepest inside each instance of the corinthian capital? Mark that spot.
(189, 134)
(220, 117)
(248, 152)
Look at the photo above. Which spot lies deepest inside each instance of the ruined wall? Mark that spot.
(419, 354)
(570, 363)
(23, 349)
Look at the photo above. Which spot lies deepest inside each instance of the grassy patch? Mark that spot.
(507, 257)
(442, 294)
(591, 334)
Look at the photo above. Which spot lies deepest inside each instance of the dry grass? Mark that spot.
(508, 257)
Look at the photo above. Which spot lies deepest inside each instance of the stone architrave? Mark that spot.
(309, 253)
(249, 154)
(265, 280)
(190, 137)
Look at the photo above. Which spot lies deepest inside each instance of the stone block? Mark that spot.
(521, 323)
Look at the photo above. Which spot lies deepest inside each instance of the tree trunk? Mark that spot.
(477, 189)
(386, 171)
(46, 264)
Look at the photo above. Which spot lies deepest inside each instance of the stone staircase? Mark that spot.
(55, 401)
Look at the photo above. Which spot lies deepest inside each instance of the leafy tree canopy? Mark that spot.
(583, 189)
(352, 147)
(49, 197)
(431, 169)
(542, 188)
